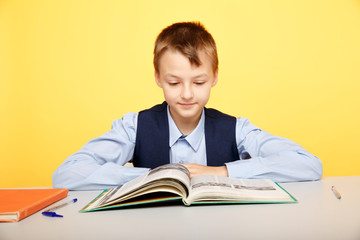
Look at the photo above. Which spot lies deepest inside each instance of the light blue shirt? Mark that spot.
(99, 163)
(190, 148)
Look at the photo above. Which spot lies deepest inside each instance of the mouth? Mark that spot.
(186, 105)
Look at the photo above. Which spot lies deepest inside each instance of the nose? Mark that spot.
(187, 92)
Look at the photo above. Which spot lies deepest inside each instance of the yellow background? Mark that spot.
(69, 68)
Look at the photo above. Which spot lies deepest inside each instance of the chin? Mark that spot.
(189, 113)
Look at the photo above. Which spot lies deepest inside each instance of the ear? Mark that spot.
(157, 79)
(215, 78)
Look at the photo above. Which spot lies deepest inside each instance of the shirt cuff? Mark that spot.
(239, 169)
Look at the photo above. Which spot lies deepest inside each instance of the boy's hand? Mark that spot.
(197, 169)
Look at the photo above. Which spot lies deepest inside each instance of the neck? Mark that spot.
(186, 126)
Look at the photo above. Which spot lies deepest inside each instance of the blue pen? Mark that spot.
(50, 212)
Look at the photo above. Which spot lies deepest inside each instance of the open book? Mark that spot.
(172, 182)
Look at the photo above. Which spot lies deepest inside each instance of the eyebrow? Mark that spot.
(201, 75)
(171, 75)
(195, 77)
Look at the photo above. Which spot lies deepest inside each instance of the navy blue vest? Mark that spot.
(152, 138)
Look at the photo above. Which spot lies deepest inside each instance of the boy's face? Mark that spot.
(186, 87)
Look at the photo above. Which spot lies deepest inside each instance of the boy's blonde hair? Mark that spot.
(189, 38)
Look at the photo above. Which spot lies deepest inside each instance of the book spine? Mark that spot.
(186, 203)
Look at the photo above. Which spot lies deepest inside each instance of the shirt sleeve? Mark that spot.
(99, 163)
(271, 157)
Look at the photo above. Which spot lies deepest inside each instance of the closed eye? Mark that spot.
(173, 83)
(200, 82)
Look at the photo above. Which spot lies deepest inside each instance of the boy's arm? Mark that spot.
(99, 164)
(272, 157)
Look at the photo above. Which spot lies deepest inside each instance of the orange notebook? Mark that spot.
(16, 204)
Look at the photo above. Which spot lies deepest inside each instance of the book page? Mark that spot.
(217, 188)
(172, 178)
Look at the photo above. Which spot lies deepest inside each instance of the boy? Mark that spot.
(182, 130)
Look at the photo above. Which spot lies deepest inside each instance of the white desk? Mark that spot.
(317, 215)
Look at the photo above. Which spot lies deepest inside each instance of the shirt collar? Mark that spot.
(194, 138)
